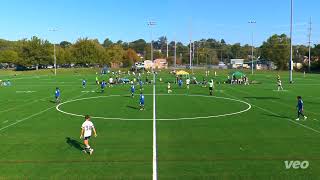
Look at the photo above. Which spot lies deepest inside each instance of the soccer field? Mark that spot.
(242, 132)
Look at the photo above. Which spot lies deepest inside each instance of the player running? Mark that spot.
(86, 131)
(57, 95)
(132, 90)
(84, 83)
(141, 101)
(169, 88)
(188, 83)
(211, 86)
(103, 85)
(300, 108)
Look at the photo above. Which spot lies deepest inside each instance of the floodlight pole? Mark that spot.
(151, 24)
(54, 53)
(175, 53)
(291, 62)
(309, 60)
(252, 22)
(167, 48)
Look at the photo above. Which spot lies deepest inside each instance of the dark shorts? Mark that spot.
(87, 138)
(210, 88)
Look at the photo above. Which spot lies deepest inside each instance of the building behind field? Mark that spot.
(236, 63)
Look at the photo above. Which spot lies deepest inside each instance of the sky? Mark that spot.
(182, 20)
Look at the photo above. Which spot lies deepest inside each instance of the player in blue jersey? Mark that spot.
(132, 90)
(300, 108)
(141, 85)
(57, 95)
(84, 83)
(103, 85)
(141, 101)
(180, 83)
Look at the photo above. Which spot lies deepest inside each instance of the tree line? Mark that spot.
(87, 52)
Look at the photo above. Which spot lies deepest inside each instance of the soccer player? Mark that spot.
(86, 131)
(169, 88)
(84, 83)
(57, 95)
(141, 101)
(180, 83)
(211, 86)
(188, 83)
(97, 80)
(300, 108)
(279, 84)
(110, 82)
(141, 85)
(132, 90)
(103, 85)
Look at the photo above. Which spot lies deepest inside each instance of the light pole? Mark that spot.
(167, 48)
(175, 53)
(291, 63)
(54, 53)
(252, 22)
(151, 24)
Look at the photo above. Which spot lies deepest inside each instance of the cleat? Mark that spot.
(305, 118)
(91, 151)
(297, 119)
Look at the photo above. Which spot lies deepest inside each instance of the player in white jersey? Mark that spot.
(86, 131)
(279, 84)
(188, 83)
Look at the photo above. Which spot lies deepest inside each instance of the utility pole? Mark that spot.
(309, 60)
(291, 37)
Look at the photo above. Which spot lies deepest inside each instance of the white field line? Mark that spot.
(154, 144)
(173, 119)
(305, 126)
(22, 105)
(31, 116)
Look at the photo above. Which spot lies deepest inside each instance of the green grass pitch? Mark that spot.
(243, 132)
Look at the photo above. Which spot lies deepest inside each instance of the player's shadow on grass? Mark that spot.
(278, 116)
(132, 107)
(53, 101)
(261, 98)
(74, 143)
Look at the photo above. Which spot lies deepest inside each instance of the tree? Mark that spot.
(107, 43)
(139, 45)
(8, 56)
(65, 44)
(115, 54)
(277, 49)
(86, 51)
(35, 52)
(130, 58)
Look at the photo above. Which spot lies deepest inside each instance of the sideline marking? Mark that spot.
(173, 119)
